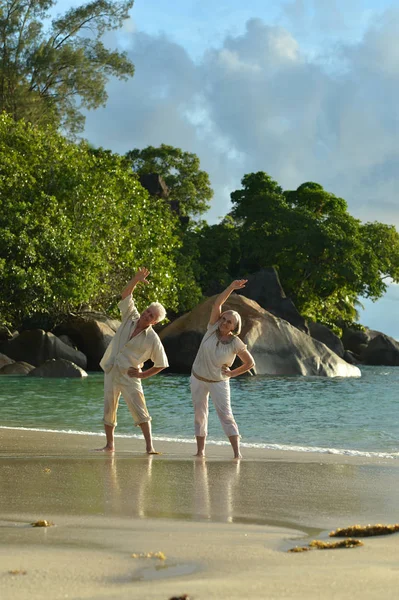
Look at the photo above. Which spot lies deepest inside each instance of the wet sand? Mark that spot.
(223, 525)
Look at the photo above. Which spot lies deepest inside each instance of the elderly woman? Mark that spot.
(211, 370)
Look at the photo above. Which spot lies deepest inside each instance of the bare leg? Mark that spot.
(110, 445)
(200, 445)
(235, 444)
(146, 429)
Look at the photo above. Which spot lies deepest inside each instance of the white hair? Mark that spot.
(159, 310)
(237, 316)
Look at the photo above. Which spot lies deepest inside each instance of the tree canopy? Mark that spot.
(51, 69)
(189, 188)
(74, 226)
(325, 257)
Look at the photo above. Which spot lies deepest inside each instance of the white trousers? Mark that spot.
(220, 394)
(132, 391)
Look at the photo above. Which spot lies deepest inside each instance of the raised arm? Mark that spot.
(237, 284)
(141, 276)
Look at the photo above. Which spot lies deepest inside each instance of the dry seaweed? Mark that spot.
(299, 549)
(42, 523)
(348, 543)
(17, 572)
(365, 530)
(159, 555)
(184, 597)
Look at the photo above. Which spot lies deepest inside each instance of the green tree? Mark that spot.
(325, 257)
(189, 188)
(48, 74)
(74, 226)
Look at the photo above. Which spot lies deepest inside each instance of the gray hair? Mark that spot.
(237, 316)
(159, 310)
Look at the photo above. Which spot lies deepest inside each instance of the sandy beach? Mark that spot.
(223, 526)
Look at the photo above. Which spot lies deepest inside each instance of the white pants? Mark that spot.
(116, 384)
(220, 394)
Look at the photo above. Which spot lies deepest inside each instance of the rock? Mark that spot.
(265, 288)
(91, 333)
(58, 368)
(5, 360)
(16, 368)
(5, 333)
(381, 350)
(324, 334)
(354, 339)
(277, 347)
(154, 184)
(67, 340)
(36, 346)
(351, 358)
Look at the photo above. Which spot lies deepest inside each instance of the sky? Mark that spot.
(306, 90)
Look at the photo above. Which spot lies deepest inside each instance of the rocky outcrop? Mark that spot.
(58, 368)
(278, 347)
(5, 360)
(324, 334)
(355, 340)
(265, 288)
(36, 346)
(91, 333)
(16, 368)
(381, 350)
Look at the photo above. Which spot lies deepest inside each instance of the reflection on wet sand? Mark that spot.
(260, 492)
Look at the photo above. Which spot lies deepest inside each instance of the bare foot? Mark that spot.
(200, 454)
(237, 456)
(106, 448)
(152, 451)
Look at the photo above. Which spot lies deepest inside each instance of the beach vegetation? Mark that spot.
(75, 224)
(365, 530)
(53, 68)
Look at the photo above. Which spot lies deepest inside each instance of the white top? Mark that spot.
(213, 354)
(126, 352)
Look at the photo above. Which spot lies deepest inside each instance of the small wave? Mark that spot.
(255, 445)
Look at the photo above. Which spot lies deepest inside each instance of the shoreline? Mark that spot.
(256, 449)
(225, 526)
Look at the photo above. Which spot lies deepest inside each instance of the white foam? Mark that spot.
(260, 446)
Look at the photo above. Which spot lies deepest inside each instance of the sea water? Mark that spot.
(336, 415)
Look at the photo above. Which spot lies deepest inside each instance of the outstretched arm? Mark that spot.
(221, 299)
(141, 276)
(247, 364)
(132, 372)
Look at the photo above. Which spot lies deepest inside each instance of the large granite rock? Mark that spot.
(324, 334)
(265, 288)
(36, 346)
(91, 333)
(381, 350)
(5, 360)
(277, 347)
(16, 368)
(355, 340)
(58, 368)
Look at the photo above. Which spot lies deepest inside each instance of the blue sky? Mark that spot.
(305, 90)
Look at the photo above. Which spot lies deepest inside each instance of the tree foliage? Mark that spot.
(325, 257)
(189, 188)
(74, 226)
(48, 74)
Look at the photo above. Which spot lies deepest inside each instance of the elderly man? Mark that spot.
(134, 342)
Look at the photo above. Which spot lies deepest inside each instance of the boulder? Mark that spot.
(381, 350)
(277, 347)
(16, 368)
(324, 334)
(354, 340)
(265, 288)
(36, 346)
(351, 358)
(5, 360)
(91, 333)
(58, 368)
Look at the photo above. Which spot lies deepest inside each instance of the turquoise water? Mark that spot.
(354, 415)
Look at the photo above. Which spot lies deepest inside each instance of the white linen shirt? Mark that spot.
(125, 352)
(213, 355)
